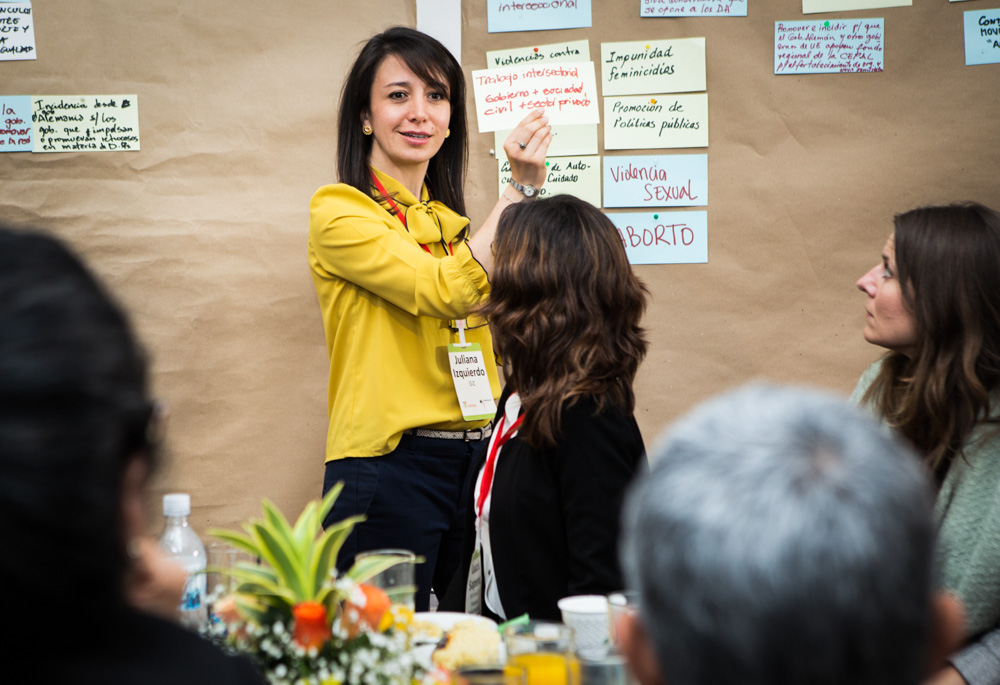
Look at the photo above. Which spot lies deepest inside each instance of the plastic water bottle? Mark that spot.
(182, 545)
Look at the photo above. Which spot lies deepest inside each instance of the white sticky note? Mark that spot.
(17, 31)
(662, 121)
(656, 181)
(567, 91)
(664, 237)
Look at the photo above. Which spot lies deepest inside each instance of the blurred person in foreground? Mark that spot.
(783, 537)
(86, 595)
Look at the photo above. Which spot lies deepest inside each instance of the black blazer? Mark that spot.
(554, 516)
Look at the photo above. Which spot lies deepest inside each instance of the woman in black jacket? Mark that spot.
(564, 309)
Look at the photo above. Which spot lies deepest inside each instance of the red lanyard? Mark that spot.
(502, 438)
(398, 212)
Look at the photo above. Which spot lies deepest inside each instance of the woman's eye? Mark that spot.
(397, 95)
(437, 97)
(886, 272)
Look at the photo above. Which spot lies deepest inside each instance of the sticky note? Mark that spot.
(536, 15)
(70, 123)
(982, 36)
(660, 121)
(567, 91)
(656, 181)
(653, 66)
(693, 8)
(577, 176)
(828, 47)
(665, 237)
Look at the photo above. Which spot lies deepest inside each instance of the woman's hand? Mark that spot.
(526, 147)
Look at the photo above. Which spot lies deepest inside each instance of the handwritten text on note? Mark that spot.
(982, 36)
(68, 123)
(828, 47)
(17, 31)
(536, 15)
(693, 8)
(661, 121)
(571, 51)
(578, 176)
(566, 91)
(653, 66)
(656, 181)
(663, 237)
(15, 123)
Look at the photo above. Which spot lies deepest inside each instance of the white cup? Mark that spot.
(587, 615)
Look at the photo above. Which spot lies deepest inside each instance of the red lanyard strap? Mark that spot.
(399, 213)
(491, 460)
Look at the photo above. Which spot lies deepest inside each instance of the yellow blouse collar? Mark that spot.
(428, 221)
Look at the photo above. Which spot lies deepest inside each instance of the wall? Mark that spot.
(202, 232)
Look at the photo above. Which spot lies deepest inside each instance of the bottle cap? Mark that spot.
(177, 504)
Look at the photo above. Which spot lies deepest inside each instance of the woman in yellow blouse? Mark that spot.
(396, 271)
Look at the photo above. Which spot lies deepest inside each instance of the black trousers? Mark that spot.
(412, 498)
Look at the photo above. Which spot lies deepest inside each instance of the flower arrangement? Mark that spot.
(299, 620)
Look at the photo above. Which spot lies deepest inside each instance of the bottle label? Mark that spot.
(194, 592)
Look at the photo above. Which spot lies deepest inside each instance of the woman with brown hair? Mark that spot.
(934, 303)
(542, 515)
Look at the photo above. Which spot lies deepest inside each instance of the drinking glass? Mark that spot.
(620, 603)
(497, 674)
(397, 581)
(603, 667)
(542, 649)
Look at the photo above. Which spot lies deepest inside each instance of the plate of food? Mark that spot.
(457, 639)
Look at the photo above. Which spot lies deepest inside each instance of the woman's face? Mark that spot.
(409, 119)
(888, 321)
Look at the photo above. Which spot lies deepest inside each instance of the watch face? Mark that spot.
(529, 191)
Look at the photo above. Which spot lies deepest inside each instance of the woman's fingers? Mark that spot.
(527, 146)
(523, 134)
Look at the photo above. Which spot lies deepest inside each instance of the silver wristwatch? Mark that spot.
(529, 191)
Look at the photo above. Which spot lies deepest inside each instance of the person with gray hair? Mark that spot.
(782, 537)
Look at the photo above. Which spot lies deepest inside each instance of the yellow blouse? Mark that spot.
(388, 309)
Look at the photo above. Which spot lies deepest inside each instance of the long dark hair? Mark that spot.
(432, 62)
(564, 309)
(948, 266)
(74, 409)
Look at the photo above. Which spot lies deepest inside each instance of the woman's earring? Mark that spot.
(447, 132)
(366, 129)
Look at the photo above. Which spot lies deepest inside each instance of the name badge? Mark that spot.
(472, 384)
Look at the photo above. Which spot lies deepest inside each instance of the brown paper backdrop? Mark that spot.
(202, 233)
(805, 174)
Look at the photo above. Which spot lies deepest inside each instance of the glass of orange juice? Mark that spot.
(542, 649)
